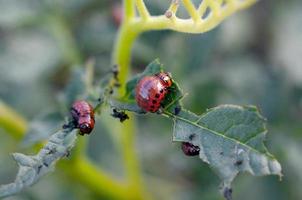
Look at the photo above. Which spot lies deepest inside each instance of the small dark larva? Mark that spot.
(120, 115)
(151, 91)
(83, 116)
(189, 149)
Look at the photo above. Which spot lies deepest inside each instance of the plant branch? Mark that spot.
(174, 6)
(129, 10)
(85, 172)
(203, 7)
(163, 22)
(121, 57)
(216, 9)
(122, 52)
(11, 121)
(143, 11)
(192, 10)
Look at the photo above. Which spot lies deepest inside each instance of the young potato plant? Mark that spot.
(228, 137)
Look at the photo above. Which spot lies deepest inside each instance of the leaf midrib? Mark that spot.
(217, 133)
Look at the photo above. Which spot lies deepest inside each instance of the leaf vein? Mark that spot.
(217, 133)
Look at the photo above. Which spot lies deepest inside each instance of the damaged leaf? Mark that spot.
(32, 168)
(230, 139)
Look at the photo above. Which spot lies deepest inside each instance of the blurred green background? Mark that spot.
(254, 57)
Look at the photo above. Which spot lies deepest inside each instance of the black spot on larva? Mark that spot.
(152, 107)
(157, 95)
(161, 91)
(154, 101)
(192, 136)
(238, 162)
(74, 111)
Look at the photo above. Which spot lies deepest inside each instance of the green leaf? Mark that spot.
(172, 101)
(230, 139)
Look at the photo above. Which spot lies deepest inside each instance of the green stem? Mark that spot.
(129, 9)
(122, 57)
(85, 172)
(11, 121)
(122, 53)
(129, 153)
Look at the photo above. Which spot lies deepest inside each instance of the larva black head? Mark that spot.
(85, 128)
(83, 116)
(165, 79)
(189, 149)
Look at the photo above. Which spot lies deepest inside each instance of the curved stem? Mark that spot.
(122, 52)
(142, 9)
(85, 172)
(191, 25)
(192, 10)
(122, 57)
(129, 9)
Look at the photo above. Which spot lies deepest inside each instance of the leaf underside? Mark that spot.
(59, 144)
(32, 168)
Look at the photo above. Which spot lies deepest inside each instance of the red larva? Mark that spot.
(151, 91)
(83, 115)
(189, 149)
